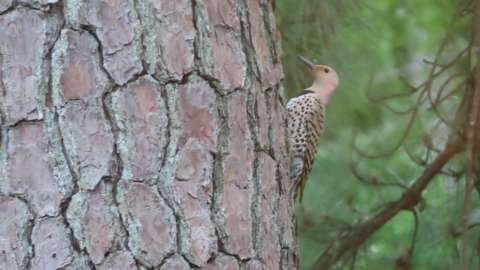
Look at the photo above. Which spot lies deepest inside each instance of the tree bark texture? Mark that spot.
(143, 134)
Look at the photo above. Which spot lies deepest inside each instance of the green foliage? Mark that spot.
(383, 39)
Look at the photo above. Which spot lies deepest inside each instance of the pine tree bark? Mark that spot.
(142, 135)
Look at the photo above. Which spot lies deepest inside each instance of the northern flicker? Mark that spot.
(306, 121)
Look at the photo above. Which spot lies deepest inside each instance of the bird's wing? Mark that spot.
(306, 123)
(315, 124)
(297, 125)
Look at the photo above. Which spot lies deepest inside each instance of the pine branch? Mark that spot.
(350, 240)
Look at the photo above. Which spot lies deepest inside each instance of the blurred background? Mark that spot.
(380, 48)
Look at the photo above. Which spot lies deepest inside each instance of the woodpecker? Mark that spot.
(306, 121)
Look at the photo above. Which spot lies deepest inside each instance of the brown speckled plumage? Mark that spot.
(306, 122)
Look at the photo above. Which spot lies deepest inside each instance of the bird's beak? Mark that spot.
(306, 61)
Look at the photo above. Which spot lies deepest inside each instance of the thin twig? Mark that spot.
(372, 180)
(374, 99)
(434, 103)
(397, 146)
(354, 260)
(414, 233)
(455, 90)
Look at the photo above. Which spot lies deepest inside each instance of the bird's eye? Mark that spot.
(326, 70)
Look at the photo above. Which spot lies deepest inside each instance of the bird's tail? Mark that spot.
(297, 178)
(298, 188)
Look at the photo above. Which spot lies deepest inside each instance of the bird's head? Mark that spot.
(325, 78)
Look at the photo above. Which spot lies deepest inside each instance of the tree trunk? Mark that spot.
(143, 135)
